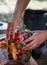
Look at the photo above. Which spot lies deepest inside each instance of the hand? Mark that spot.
(35, 40)
(12, 26)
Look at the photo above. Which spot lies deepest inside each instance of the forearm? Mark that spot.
(20, 7)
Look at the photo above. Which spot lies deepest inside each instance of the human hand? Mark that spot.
(12, 26)
(35, 40)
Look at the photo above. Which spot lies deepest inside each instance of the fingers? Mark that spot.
(28, 40)
(28, 46)
(33, 46)
(9, 30)
(12, 26)
(13, 30)
(33, 43)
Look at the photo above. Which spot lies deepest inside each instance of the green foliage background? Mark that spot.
(5, 17)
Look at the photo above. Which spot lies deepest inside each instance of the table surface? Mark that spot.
(4, 57)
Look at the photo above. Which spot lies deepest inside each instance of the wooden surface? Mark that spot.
(31, 62)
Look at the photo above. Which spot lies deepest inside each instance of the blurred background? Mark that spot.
(7, 7)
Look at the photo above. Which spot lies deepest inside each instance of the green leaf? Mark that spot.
(24, 57)
(19, 46)
(24, 44)
(9, 43)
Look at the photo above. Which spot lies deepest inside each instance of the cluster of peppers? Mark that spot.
(15, 47)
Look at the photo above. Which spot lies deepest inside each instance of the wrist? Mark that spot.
(17, 14)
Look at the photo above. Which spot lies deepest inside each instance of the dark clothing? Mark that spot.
(35, 20)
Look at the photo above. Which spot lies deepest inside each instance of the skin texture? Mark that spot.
(17, 17)
(35, 40)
